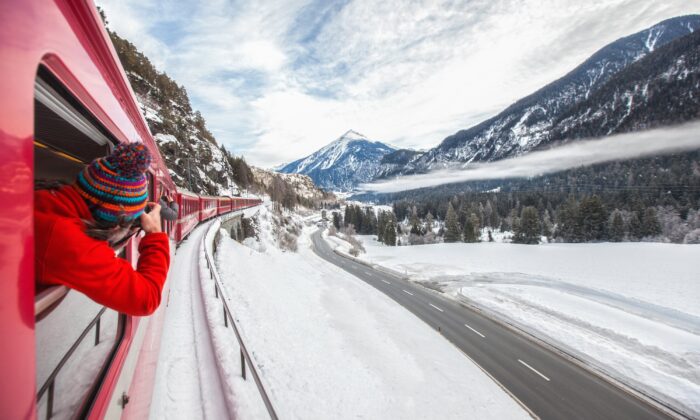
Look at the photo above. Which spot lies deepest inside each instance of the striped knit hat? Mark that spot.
(115, 186)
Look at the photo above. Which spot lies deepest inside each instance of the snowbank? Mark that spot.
(331, 346)
(629, 309)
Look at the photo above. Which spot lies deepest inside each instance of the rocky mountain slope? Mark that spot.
(195, 160)
(341, 165)
(531, 121)
(662, 88)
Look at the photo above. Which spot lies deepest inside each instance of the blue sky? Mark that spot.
(278, 80)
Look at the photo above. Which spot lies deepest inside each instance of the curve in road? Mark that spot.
(549, 385)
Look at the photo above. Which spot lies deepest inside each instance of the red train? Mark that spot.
(65, 101)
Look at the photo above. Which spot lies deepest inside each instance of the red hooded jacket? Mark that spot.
(64, 254)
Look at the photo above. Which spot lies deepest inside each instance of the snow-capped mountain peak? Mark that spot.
(350, 159)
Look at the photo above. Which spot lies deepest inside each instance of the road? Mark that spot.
(549, 385)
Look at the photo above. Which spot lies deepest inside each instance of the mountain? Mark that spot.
(350, 160)
(531, 121)
(663, 88)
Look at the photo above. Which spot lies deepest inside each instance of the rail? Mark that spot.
(228, 319)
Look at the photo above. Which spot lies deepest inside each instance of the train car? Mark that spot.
(65, 101)
(189, 216)
(224, 205)
(207, 207)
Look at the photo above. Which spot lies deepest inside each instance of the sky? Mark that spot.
(277, 80)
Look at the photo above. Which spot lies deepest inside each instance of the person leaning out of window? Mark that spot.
(79, 227)
(168, 208)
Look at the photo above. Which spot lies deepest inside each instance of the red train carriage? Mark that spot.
(224, 205)
(207, 207)
(189, 214)
(65, 101)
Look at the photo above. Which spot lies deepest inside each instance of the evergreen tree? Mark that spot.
(650, 223)
(336, 220)
(592, 219)
(635, 227)
(429, 223)
(616, 226)
(547, 226)
(529, 228)
(390, 233)
(567, 221)
(471, 227)
(415, 223)
(452, 233)
(381, 225)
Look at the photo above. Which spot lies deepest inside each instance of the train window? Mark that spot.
(75, 337)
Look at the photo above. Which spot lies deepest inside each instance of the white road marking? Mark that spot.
(368, 273)
(407, 292)
(436, 307)
(533, 369)
(385, 281)
(482, 335)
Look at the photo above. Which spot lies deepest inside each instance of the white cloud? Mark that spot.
(278, 80)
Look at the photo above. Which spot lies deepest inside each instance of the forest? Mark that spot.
(652, 199)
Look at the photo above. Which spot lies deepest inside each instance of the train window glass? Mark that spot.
(75, 337)
(78, 374)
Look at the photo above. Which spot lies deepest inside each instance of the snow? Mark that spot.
(328, 345)
(628, 309)
(186, 384)
(164, 139)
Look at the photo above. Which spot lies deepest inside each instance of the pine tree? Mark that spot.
(390, 233)
(650, 223)
(415, 223)
(336, 220)
(529, 228)
(635, 227)
(429, 220)
(381, 225)
(471, 227)
(452, 233)
(616, 227)
(547, 226)
(567, 221)
(592, 219)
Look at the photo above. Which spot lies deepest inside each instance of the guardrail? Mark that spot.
(228, 319)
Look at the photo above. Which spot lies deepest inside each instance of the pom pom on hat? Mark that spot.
(130, 160)
(115, 186)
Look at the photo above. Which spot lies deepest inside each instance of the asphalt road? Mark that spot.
(549, 385)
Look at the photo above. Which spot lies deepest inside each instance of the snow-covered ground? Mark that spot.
(629, 309)
(187, 384)
(330, 346)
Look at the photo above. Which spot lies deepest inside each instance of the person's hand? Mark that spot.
(150, 222)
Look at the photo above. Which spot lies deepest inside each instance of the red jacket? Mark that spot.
(64, 254)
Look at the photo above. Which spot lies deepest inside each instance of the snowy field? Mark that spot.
(630, 309)
(331, 346)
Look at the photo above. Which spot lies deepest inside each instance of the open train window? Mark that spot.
(76, 338)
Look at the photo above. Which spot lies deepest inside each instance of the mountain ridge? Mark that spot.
(342, 164)
(524, 125)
